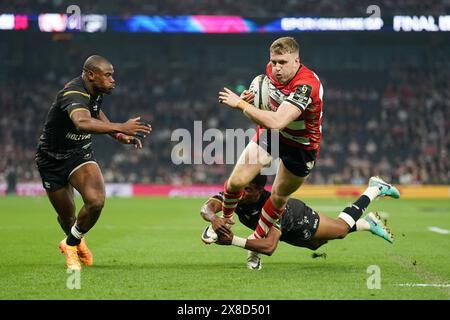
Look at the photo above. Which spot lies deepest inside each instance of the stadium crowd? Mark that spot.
(398, 128)
(249, 8)
(386, 110)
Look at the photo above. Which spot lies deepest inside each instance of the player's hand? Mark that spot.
(125, 139)
(220, 225)
(136, 128)
(229, 98)
(230, 221)
(224, 239)
(247, 96)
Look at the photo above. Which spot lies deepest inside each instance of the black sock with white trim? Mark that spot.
(352, 213)
(75, 236)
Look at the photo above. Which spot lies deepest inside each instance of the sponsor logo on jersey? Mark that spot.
(87, 156)
(305, 220)
(77, 137)
(310, 165)
(306, 234)
(315, 223)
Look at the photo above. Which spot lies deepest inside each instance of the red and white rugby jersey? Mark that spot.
(304, 91)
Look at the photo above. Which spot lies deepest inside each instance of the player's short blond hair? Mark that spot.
(285, 45)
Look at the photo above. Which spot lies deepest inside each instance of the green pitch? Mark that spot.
(150, 248)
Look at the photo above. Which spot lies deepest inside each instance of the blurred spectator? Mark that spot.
(250, 8)
(11, 178)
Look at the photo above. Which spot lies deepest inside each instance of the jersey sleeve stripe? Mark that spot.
(76, 92)
(298, 105)
(75, 110)
(296, 125)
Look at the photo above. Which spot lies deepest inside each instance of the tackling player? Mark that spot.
(65, 159)
(296, 103)
(299, 225)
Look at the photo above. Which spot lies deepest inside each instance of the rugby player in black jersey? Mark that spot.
(299, 226)
(65, 158)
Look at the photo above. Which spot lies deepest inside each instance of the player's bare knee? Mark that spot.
(95, 204)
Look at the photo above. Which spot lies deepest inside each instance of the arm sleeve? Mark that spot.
(301, 97)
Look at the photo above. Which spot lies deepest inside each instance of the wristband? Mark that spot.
(117, 136)
(239, 242)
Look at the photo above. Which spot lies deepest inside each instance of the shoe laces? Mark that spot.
(253, 257)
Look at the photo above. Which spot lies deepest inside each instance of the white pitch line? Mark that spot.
(439, 285)
(439, 230)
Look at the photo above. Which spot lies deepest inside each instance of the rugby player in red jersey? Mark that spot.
(300, 225)
(296, 114)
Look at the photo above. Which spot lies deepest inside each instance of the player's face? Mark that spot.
(251, 194)
(104, 81)
(284, 66)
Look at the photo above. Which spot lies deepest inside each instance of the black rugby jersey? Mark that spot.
(60, 139)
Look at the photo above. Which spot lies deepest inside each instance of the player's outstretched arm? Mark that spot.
(84, 122)
(120, 137)
(209, 212)
(265, 246)
(285, 114)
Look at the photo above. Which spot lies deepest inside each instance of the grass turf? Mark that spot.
(150, 248)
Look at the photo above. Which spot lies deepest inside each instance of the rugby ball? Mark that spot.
(209, 235)
(260, 88)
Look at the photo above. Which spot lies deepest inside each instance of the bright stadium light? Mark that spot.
(94, 23)
(6, 22)
(52, 22)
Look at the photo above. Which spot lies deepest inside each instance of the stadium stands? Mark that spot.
(386, 108)
(250, 8)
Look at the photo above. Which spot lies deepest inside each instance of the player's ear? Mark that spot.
(91, 75)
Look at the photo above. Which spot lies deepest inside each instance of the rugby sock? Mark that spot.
(74, 238)
(269, 216)
(352, 213)
(372, 193)
(230, 201)
(360, 225)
